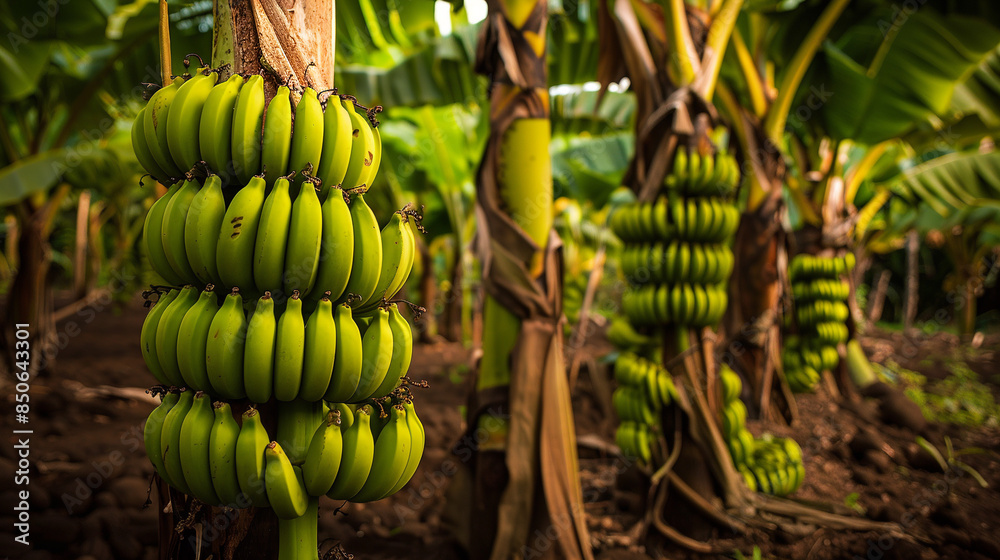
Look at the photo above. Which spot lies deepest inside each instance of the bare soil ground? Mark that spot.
(90, 477)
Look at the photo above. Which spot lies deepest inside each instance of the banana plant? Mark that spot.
(836, 143)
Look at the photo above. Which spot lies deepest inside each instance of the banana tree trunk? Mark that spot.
(270, 38)
(912, 279)
(524, 473)
(30, 299)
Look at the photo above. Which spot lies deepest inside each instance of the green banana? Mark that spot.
(320, 352)
(222, 457)
(336, 152)
(194, 449)
(201, 229)
(237, 238)
(367, 260)
(170, 438)
(402, 352)
(362, 147)
(250, 463)
(397, 259)
(192, 339)
(367, 177)
(248, 121)
(336, 247)
(151, 238)
(417, 440)
(141, 149)
(225, 347)
(259, 351)
(277, 135)
(154, 126)
(324, 455)
(392, 451)
(172, 231)
(376, 346)
(272, 238)
(357, 457)
(304, 237)
(307, 139)
(152, 431)
(285, 489)
(215, 130)
(166, 333)
(289, 350)
(147, 337)
(348, 359)
(184, 118)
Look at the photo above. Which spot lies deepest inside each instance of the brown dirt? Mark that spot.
(90, 476)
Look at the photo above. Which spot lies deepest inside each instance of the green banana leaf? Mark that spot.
(881, 79)
(37, 173)
(591, 167)
(578, 112)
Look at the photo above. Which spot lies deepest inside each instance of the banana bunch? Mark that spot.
(198, 447)
(228, 125)
(696, 175)
(805, 266)
(704, 220)
(644, 388)
(191, 339)
(378, 453)
(799, 371)
(677, 262)
(682, 304)
(265, 208)
(269, 241)
(820, 288)
(676, 254)
(771, 465)
(820, 312)
(775, 468)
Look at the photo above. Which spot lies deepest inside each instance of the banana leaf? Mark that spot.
(37, 173)
(578, 113)
(591, 168)
(881, 85)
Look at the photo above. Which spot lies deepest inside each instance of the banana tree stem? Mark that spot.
(165, 70)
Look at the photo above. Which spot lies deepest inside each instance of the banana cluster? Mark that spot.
(228, 125)
(820, 304)
(684, 304)
(256, 350)
(704, 220)
(266, 241)
(265, 208)
(770, 465)
(198, 447)
(644, 388)
(676, 255)
(696, 175)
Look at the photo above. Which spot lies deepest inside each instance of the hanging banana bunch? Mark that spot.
(279, 288)
(768, 464)
(820, 313)
(677, 257)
